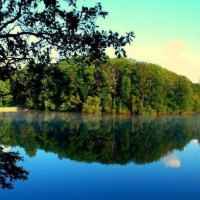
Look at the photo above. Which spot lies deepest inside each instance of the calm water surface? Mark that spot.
(70, 156)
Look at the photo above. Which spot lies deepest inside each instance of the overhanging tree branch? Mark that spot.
(71, 31)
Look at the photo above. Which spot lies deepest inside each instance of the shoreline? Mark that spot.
(158, 114)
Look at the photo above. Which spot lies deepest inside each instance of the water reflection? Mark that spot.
(171, 161)
(9, 171)
(104, 139)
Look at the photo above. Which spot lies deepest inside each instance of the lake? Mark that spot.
(74, 156)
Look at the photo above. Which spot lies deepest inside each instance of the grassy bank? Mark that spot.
(12, 109)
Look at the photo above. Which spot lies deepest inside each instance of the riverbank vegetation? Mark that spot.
(117, 86)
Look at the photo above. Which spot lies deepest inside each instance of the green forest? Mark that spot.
(116, 86)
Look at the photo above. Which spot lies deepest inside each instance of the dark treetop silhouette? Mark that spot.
(54, 24)
(9, 171)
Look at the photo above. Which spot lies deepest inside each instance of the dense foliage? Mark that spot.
(32, 29)
(118, 86)
(105, 139)
(7, 98)
(9, 170)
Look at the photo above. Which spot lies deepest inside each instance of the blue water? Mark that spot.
(53, 175)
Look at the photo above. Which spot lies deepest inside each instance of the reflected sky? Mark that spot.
(171, 161)
(168, 168)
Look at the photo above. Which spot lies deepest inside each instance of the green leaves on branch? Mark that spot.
(92, 105)
(32, 29)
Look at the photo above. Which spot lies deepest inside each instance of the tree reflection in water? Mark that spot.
(9, 171)
(104, 139)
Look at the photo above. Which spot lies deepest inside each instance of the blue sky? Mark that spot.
(167, 31)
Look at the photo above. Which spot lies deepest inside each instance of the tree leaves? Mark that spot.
(9, 171)
(71, 31)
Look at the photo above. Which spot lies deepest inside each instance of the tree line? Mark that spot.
(116, 86)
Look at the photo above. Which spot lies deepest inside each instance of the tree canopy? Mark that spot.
(31, 29)
(116, 86)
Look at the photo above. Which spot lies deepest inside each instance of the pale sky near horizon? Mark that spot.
(167, 31)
